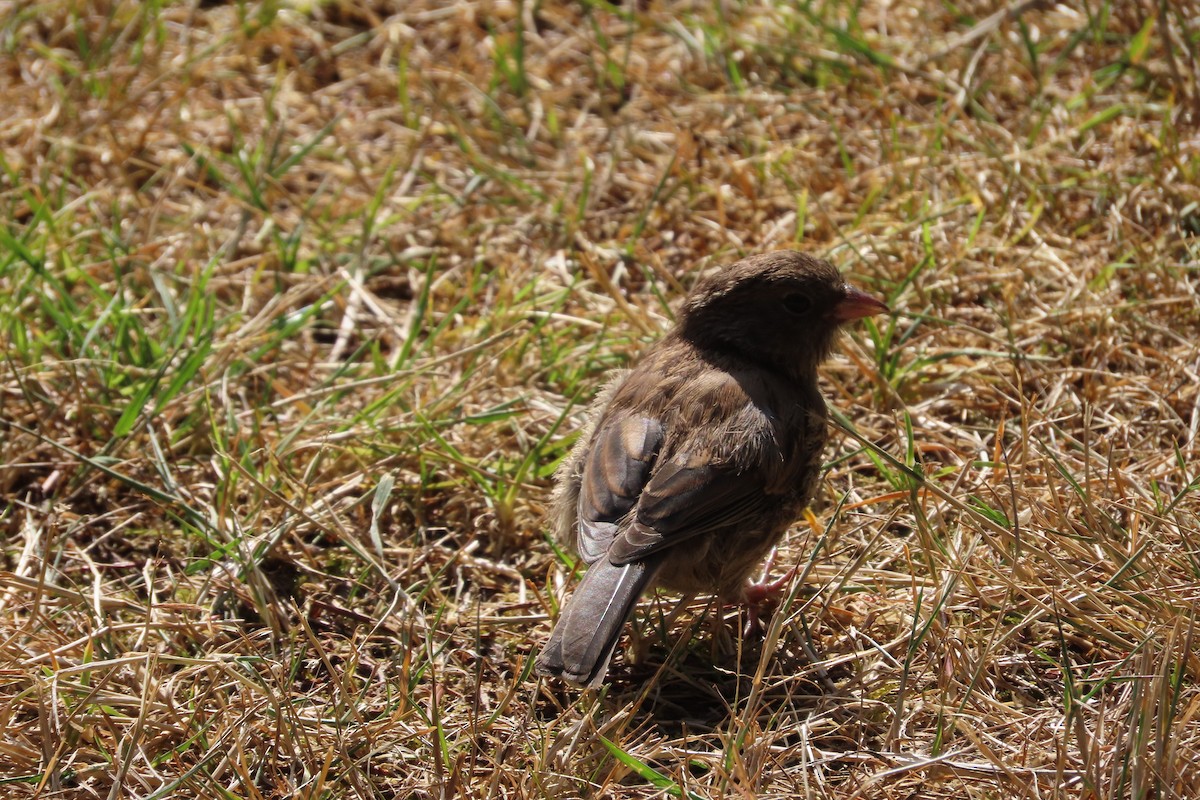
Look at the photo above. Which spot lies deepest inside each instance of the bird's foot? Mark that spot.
(763, 592)
(760, 594)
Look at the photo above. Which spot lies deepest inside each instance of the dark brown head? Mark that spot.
(780, 309)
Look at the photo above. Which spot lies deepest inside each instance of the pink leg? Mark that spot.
(758, 593)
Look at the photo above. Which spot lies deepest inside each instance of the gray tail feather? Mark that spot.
(586, 635)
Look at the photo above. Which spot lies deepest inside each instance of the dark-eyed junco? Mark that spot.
(697, 461)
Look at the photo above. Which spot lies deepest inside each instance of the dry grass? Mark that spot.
(299, 301)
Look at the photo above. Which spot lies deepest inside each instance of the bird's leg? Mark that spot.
(759, 593)
(718, 629)
(762, 590)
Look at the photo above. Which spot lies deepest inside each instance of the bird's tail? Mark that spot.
(583, 641)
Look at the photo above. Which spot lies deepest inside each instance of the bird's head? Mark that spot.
(781, 309)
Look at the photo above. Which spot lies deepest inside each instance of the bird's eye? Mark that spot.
(796, 303)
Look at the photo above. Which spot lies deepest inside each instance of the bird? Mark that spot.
(694, 463)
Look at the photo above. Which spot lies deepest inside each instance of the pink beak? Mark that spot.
(856, 305)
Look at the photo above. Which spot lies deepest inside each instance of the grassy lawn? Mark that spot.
(301, 304)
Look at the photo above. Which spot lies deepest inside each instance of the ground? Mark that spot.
(301, 304)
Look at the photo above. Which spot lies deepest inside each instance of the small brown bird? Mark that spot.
(699, 459)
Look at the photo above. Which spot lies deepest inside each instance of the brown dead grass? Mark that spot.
(299, 302)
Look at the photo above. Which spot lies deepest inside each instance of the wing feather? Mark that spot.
(618, 466)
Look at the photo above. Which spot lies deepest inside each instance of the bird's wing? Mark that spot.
(688, 496)
(615, 472)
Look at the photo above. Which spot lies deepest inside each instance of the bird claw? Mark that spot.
(761, 593)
